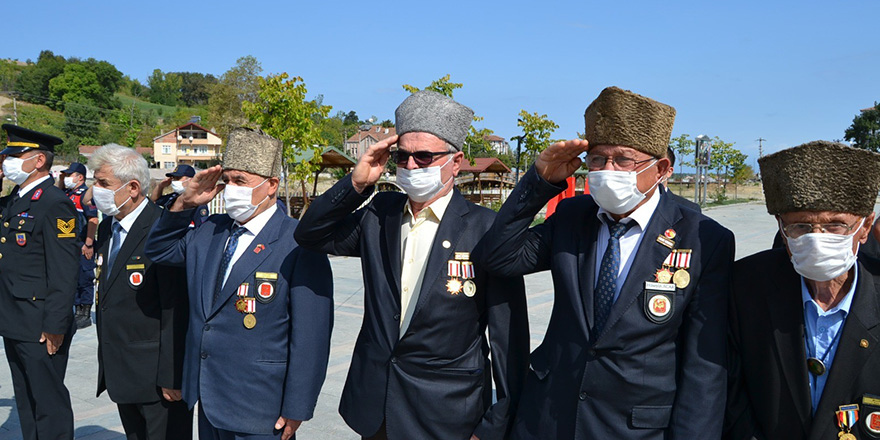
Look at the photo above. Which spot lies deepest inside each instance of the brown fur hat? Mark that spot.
(621, 117)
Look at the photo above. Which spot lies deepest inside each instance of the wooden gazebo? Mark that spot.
(494, 167)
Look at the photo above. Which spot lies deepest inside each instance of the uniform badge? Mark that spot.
(446, 244)
(265, 292)
(681, 278)
(665, 241)
(66, 227)
(663, 275)
(670, 234)
(259, 248)
(37, 194)
(203, 212)
(847, 416)
(453, 286)
(659, 301)
(20, 239)
(249, 321)
(470, 288)
(135, 279)
(871, 407)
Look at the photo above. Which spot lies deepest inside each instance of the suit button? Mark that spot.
(582, 395)
(207, 327)
(2, 239)
(5, 224)
(1, 255)
(204, 355)
(393, 359)
(397, 317)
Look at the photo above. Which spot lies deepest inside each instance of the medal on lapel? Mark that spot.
(847, 416)
(467, 272)
(461, 273)
(453, 270)
(681, 277)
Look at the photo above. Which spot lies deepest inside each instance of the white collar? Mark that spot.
(437, 207)
(130, 218)
(642, 214)
(24, 190)
(256, 224)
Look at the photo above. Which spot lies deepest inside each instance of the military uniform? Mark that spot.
(38, 265)
(85, 284)
(201, 213)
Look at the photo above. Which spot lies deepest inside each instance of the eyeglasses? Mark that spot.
(622, 163)
(421, 158)
(796, 230)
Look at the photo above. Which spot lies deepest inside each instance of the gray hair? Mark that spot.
(125, 163)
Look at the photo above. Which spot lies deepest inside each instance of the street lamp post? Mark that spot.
(701, 150)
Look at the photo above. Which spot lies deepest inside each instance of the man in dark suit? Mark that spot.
(670, 154)
(261, 307)
(421, 367)
(805, 319)
(142, 314)
(635, 347)
(39, 261)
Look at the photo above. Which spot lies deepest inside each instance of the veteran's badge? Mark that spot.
(847, 416)
(135, 279)
(871, 409)
(265, 286)
(659, 301)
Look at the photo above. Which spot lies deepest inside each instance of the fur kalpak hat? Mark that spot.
(253, 151)
(431, 112)
(821, 176)
(621, 117)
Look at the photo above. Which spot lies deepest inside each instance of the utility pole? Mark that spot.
(760, 146)
(14, 110)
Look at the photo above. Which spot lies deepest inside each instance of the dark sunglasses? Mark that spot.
(421, 158)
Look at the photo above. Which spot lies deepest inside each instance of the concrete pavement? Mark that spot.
(97, 419)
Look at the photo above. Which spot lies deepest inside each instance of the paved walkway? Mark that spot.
(96, 418)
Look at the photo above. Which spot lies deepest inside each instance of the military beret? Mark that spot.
(253, 151)
(430, 112)
(621, 117)
(821, 176)
(21, 139)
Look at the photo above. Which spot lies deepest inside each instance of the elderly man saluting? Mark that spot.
(261, 307)
(420, 368)
(805, 319)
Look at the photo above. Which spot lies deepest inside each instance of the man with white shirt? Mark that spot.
(421, 367)
(261, 307)
(142, 310)
(635, 347)
(39, 260)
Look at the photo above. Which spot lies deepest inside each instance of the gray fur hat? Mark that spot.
(253, 151)
(821, 176)
(621, 117)
(431, 112)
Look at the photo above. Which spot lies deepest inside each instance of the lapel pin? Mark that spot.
(863, 343)
(446, 244)
(670, 233)
(259, 248)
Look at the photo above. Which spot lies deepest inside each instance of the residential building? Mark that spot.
(190, 144)
(367, 135)
(498, 144)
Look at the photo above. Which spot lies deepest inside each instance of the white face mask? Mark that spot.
(421, 184)
(177, 186)
(12, 169)
(617, 191)
(822, 256)
(238, 201)
(105, 200)
(69, 183)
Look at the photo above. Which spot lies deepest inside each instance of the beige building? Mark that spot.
(189, 144)
(368, 135)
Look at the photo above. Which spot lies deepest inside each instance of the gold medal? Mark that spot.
(250, 321)
(681, 278)
(453, 286)
(241, 305)
(663, 276)
(470, 288)
(846, 436)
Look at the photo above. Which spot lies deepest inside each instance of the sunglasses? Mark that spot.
(421, 158)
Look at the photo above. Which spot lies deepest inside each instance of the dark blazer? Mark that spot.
(141, 317)
(681, 200)
(39, 263)
(247, 378)
(637, 379)
(769, 395)
(435, 381)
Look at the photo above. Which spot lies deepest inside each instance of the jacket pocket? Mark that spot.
(651, 417)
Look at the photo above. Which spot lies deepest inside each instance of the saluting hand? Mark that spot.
(560, 160)
(53, 342)
(371, 166)
(200, 190)
(287, 427)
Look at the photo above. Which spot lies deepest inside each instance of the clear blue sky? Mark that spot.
(787, 71)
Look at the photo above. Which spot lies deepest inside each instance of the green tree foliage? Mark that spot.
(82, 121)
(683, 146)
(109, 78)
(238, 85)
(33, 83)
(282, 110)
(9, 74)
(865, 129)
(165, 88)
(537, 130)
(77, 84)
(195, 88)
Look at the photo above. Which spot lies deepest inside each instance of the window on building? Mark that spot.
(169, 165)
(166, 149)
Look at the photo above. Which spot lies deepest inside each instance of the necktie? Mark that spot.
(607, 282)
(227, 257)
(116, 245)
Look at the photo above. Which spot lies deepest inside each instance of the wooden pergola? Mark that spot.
(484, 165)
(331, 157)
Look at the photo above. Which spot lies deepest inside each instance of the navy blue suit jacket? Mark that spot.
(636, 379)
(434, 382)
(247, 378)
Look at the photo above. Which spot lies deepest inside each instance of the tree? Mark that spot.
(865, 129)
(282, 111)
(82, 121)
(165, 88)
(34, 81)
(239, 84)
(77, 84)
(537, 130)
(195, 88)
(683, 147)
(724, 159)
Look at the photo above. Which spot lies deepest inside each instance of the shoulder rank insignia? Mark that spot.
(66, 227)
(37, 194)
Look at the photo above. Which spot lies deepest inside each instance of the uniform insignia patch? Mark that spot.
(37, 194)
(135, 279)
(66, 227)
(659, 305)
(265, 291)
(21, 239)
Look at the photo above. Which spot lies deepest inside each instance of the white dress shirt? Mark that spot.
(416, 237)
(252, 229)
(126, 223)
(629, 243)
(24, 190)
